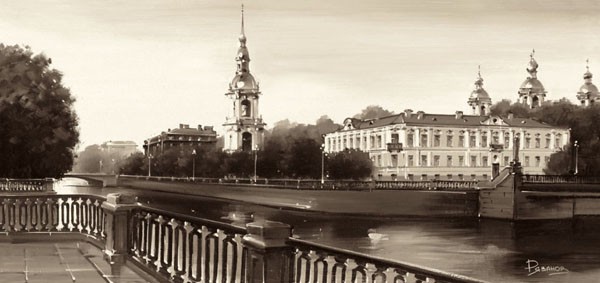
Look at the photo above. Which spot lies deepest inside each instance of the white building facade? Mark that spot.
(420, 145)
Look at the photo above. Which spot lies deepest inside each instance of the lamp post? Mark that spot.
(576, 145)
(193, 164)
(322, 164)
(255, 160)
(149, 165)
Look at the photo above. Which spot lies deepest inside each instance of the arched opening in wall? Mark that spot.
(482, 110)
(535, 102)
(583, 102)
(246, 142)
(246, 108)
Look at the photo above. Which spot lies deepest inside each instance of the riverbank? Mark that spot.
(420, 203)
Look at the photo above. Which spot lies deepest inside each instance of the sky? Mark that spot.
(137, 68)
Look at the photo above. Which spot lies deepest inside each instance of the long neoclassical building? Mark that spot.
(420, 145)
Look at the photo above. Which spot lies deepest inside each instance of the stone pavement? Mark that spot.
(59, 262)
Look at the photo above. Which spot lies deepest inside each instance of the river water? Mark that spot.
(492, 250)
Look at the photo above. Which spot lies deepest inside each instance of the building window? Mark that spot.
(496, 139)
(372, 140)
(557, 143)
(537, 142)
(394, 160)
(461, 161)
(345, 145)
(395, 138)
(410, 140)
(527, 142)
(506, 141)
(364, 145)
(538, 160)
(506, 160)
(357, 143)
(379, 142)
(546, 159)
(526, 161)
(449, 140)
(449, 161)
(472, 141)
(484, 141)
(411, 161)
(461, 141)
(423, 160)
(436, 140)
(436, 160)
(547, 143)
(473, 160)
(484, 161)
(423, 140)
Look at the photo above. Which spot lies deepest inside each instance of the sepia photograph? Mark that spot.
(247, 141)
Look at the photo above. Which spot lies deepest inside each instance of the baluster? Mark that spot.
(378, 274)
(17, 209)
(85, 216)
(229, 258)
(303, 269)
(151, 240)
(75, 209)
(9, 214)
(29, 220)
(338, 269)
(360, 271)
(321, 267)
(179, 251)
(195, 253)
(163, 246)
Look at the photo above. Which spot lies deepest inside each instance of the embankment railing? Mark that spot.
(559, 179)
(175, 247)
(26, 185)
(305, 184)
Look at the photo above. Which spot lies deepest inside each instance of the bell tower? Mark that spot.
(479, 101)
(532, 92)
(244, 128)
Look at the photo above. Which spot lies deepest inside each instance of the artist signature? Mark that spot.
(533, 267)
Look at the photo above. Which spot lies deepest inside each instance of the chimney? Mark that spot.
(181, 126)
(459, 115)
(511, 116)
(208, 128)
(408, 112)
(420, 115)
(199, 127)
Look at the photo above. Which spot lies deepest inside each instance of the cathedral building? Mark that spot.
(454, 146)
(244, 129)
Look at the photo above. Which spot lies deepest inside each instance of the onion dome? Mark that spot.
(479, 94)
(588, 90)
(532, 85)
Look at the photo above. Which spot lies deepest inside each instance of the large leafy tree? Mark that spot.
(39, 126)
(350, 164)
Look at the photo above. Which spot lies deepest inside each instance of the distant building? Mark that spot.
(184, 136)
(454, 146)
(421, 145)
(588, 93)
(245, 128)
(123, 148)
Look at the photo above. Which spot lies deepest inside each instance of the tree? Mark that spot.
(39, 126)
(305, 158)
(372, 112)
(504, 107)
(135, 164)
(349, 164)
(90, 160)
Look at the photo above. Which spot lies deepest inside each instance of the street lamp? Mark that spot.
(255, 160)
(576, 145)
(149, 165)
(193, 164)
(322, 164)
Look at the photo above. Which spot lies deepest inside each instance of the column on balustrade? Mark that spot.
(118, 209)
(269, 258)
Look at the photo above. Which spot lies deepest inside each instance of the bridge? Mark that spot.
(105, 180)
(165, 246)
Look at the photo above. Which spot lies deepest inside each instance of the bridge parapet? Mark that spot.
(310, 184)
(560, 179)
(27, 185)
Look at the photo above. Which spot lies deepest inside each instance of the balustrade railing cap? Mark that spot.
(118, 198)
(269, 229)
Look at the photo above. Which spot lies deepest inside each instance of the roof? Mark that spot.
(424, 119)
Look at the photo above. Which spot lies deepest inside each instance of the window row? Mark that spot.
(455, 161)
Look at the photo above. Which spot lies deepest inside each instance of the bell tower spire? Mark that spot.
(532, 92)
(588, 93)
(244, 129)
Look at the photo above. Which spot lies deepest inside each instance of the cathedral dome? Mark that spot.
(244, 81)
(480, 95)
(588, 88)
(532, 85)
